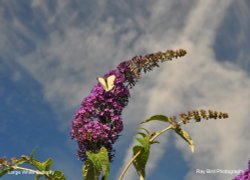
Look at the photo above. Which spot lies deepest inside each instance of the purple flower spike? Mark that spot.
(98, 121)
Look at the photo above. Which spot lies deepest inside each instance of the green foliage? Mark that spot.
(33, 152)
(157, 118)
(89, 171)
(98, 163)
(3, 171)
(42, 169)
(181, 132)
(142, 151)
(42, 166)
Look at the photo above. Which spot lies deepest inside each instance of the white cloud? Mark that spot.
(200, 81)
(74, 52)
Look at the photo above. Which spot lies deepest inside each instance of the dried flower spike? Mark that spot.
(202, 114)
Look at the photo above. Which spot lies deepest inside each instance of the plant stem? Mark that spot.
(160, 132)
(96, 174)
(128, 165)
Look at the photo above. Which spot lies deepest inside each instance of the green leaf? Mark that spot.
(141, 160)
(47, 164)
(100, 161)
(157, 118)
(42, 166)
(37, 177)
(33, 152)
(56, 175)
(147, 131)
(144, 142)
(21, 161)
(186, 137)
(144, 150)
(89, 172)
(25, 158)
(142, 134)
(3, 172)
(155, 142)
(39, 165)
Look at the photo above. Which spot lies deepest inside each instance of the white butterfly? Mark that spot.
(107, 83)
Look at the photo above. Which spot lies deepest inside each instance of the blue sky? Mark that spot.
(52, 51)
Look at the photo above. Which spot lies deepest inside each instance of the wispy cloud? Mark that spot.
(65, 45)
(199, 81)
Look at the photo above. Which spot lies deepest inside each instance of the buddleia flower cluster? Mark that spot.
(98, 121)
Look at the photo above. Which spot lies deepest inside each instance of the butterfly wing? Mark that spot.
(107, 84)
(102, 81)
(110, 82)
